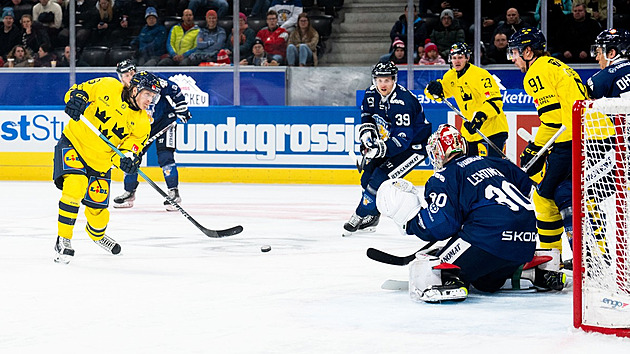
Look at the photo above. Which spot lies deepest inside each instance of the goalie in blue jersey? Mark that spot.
(481, 205)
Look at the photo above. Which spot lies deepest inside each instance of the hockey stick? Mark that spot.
(485, 138)
(360, 164)
(160, 133)
(208, 232)
(544, 149)
(387, 258)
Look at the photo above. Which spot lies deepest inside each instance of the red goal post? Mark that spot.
(601, 216)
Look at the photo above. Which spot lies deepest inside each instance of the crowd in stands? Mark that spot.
(572, 26)
(36, 32)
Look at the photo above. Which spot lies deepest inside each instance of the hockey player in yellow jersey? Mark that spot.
(82, 161)
(554, 86)
(478, 98)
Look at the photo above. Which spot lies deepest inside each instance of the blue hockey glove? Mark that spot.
(530, 151)
(76, 104)
(376, 149)
(434, 88)
(367, 134)
(475, 123)
(184, 116)
(129, 165)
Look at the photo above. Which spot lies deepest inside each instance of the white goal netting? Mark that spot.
(602, 230)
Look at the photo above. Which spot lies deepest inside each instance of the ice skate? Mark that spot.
(359, 224)
(352, 225)
(64, 250)
(369, 223)
(108, 244)
(173, 194)
(125, 200)
(452, 290)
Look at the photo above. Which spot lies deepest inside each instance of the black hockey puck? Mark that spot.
(265, 248)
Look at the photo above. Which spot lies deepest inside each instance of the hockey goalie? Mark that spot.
(480, 207)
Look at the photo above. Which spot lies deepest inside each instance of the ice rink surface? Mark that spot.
(174, 290)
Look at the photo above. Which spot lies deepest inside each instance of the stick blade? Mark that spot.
(387, 258)
(223, 233)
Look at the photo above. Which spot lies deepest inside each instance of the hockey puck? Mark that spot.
(265, 248)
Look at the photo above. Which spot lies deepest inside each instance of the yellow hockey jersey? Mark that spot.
(127, 129)
(476, 91)
(554, 86)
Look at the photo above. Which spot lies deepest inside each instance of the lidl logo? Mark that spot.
(98, 190)
(71, 159)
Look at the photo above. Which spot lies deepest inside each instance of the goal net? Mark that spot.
(601, 212)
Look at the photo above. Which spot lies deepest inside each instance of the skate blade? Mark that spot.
(170, 208)
(123, 205)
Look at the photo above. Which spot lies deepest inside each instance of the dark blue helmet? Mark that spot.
(460, 48)
(383, 70)
(527, 37)
(144, 80)
(617, 39)
(125, 65)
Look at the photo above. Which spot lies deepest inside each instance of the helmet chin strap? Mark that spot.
(133, 104)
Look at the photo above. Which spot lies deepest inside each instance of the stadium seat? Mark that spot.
(171, 21)
(323, 25)
(95, 56)
(256, 23)
(226, 23)
(118, 54)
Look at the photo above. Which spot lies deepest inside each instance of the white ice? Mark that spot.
(174, 290)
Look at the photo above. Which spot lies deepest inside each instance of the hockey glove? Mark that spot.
(129, 165)
(434, 88)
(528, 154)
(475, 123)
(367, 134)
(376, 150)
(184, 116)
(76, 104)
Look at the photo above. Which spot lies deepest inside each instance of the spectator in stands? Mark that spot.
(287, 12)
(302, 48)
(151, 42)
(399, 30)
(10, 34)
(260, 8)
(596, 9)
(418, 54)
(447, 33)
(497, 53)
(259, 57)
(86, 15)
(105, 24)
(64, 61)
(131, 19)
(222, 6)
(18, 57)
(246, 38)
(512, 23)
(576, 36)
(274, 38)
(556, 10)
(431, 55)
(182, 40)
(45, 56)
(33, 34)
(49, 14)
(209, 41)
(20, 7)
(397, 56)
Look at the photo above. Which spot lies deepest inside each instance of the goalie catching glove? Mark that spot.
(528, 154)
(475, 124)
(77, 103)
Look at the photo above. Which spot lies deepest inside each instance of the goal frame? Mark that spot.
(579, 107)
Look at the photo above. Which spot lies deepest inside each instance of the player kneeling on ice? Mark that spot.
(393, 135)
(481, 206)
(82, 161)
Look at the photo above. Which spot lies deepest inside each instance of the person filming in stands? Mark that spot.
(170, 106)
(481, 207)
(82, 161)
(478, 97)
(554, 86)
(393, 135)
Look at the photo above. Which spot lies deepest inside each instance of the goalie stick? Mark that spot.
(387, 258)
(208, 232)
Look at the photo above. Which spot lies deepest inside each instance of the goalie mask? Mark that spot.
(617, 39)
(444, 144)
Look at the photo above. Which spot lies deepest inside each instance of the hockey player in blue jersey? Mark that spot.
(481, 205)
(393, 135)
(170, 107)
(611, 50)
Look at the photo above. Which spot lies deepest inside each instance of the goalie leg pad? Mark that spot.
(426, 280)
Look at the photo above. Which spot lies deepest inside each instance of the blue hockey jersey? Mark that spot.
(483, 201)
(610, 81)
(171, 104)
(399, 119)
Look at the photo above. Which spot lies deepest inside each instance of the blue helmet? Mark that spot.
(144, 80)
(125, 65)
(385, 69)
(527, 37)
(617, 39)
(460, 48)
